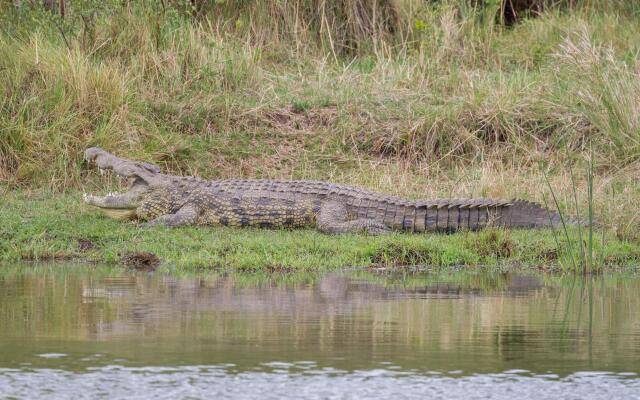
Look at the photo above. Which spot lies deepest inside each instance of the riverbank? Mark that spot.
(44, 226)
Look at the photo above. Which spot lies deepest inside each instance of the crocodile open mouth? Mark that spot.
(115, 204)
(119, 204)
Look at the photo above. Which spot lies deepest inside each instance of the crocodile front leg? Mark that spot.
(187, 215)
(333, 218)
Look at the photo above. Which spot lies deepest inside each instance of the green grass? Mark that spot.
(41, 226)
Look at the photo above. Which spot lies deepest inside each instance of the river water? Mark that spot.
(74, 331)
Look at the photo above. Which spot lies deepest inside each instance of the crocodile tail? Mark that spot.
(473, 214)
(527, 214)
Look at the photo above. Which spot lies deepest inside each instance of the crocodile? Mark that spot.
(170, 200)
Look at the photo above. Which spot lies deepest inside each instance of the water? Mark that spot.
(89, 332)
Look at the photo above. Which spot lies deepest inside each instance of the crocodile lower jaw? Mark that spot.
(119, 213)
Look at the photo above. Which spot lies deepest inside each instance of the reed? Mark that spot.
(578, 252)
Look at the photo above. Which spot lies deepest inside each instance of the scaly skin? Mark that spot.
(175, 201)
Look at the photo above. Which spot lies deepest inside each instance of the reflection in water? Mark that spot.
(79, 319)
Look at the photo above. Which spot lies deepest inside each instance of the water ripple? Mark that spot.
(116, 382)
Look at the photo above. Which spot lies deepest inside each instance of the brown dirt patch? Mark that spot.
(292, 118)
(142, 261)
(85, 245)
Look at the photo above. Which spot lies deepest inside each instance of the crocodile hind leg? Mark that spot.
(187, 215)
(333, 218)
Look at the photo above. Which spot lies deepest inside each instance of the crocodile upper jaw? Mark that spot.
(140, 175)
